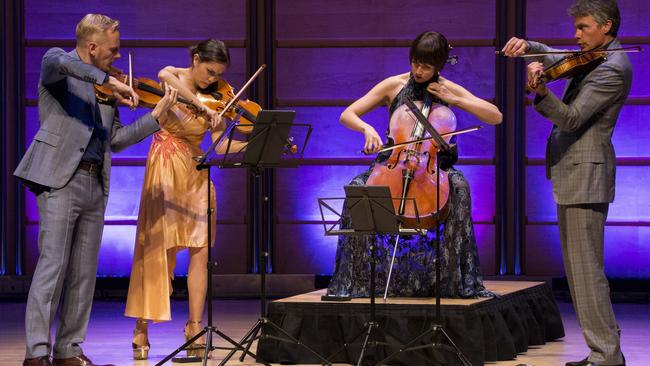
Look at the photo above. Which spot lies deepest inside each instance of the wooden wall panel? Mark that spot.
(303, 249)
(322, 68)
(630, 138)
(329, 138)
(344, 73)
(157, 40)
(543, 256)
(545, 20)
(386, 19)
(140, 19)
(626, 255)
(629, 205)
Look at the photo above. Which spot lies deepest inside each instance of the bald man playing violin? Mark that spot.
(67, 166)
(581, 164)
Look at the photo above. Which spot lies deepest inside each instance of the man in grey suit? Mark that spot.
(581, 164)
(67, 166)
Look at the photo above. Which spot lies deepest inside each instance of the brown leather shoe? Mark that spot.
(80, 360)
(38, 361)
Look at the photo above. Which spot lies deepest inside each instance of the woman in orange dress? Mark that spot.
(173, 205)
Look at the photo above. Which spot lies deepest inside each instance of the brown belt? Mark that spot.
(92, 168)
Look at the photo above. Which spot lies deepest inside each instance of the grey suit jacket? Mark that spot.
(580, 158)
(65, 92)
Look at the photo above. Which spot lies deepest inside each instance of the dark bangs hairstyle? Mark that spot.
(430, 48)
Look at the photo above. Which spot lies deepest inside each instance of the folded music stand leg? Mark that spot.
(390, 271)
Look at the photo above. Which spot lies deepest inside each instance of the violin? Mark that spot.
(149, 91)
(570, 67)
(411, 170)
(224, 101)
(575, 63)
(220, 99)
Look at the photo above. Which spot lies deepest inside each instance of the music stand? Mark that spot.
(371, 212)
(436, 329)
(270, 136)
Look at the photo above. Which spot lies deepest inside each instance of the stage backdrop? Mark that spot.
(325, 55)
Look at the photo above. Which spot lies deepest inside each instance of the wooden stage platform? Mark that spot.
(485, 329)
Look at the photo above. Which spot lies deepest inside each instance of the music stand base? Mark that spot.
(208, 331)
(257, 333)
(436, 331)
(335, 298)
(186, 359)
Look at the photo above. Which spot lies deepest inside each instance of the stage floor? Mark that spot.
(501, 288)
(109, 333)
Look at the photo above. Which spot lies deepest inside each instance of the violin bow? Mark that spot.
(538, 54)
(131, 79)
(448, 134)
(252, 78)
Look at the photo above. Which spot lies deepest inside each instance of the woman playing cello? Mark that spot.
(413, 272)
(173, 209)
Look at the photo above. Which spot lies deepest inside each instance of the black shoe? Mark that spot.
(586, 362)
(38, 361)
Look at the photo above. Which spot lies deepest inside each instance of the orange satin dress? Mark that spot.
(172, 215)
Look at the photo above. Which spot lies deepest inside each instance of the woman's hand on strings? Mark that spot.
(443, 93)
(214, 121)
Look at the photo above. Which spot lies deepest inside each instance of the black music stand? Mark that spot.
(371, 213)
(436, 330)
(264, 150)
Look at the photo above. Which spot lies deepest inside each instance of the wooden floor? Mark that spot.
(109, 334)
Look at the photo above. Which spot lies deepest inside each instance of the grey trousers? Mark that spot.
(71, 222)
(582, 231)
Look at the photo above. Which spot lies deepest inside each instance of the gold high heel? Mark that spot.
(196, 349)
(140, 348)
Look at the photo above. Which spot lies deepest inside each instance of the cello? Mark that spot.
(411, 171)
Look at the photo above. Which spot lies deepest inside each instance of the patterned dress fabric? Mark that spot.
(414, 272)
(172, 215)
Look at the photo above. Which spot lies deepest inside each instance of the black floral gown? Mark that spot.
(413, 272)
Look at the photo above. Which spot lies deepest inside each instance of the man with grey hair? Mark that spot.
(581, 164)
(67, 166)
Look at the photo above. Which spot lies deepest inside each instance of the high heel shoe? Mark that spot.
(140, 342)
(197, 348)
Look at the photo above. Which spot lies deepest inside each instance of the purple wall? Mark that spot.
(319, 74)
(221, 19)
(315, 79)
